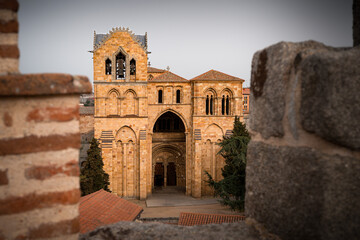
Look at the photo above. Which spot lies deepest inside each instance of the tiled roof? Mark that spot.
(246, 90)
(155, 70)
(86, 110)
(168, 77)
(215, 75)
(102, 208)
(191, 219)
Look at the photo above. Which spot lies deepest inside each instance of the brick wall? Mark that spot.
(303, 162)
(9, 26)
(39, 145)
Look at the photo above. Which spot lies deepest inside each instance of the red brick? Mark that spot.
(43, 84)
(9, 27)
(9, 4)
(9, 51)
(33, 144)
(50, 230)
(3, 177)
(32, 201)
(8, 121)
(57, 114)
(45, 172)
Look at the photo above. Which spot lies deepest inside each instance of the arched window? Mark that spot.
(207, 105)
(120, 66)
(150, 77)
(227, 105)
(177, 96)
(132, 67)
(211, 105)
(108, 67)
(223, 105)
(160, 96)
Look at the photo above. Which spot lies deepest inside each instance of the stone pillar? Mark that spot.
(188, 164)
(303, 161)
(149, 163)
(143, 165)
(196, 191)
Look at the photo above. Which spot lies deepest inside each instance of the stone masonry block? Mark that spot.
(301, 193)
(270, 77)
(330, 102)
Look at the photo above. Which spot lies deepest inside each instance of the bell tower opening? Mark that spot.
(168, 144)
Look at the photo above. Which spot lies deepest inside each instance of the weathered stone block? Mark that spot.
(301, 193)
(272, 70)
(330, 101)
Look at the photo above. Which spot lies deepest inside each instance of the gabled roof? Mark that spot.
(216, 75)
(102, 208)
(155, 70)
(191, 219)
(168, 77)
(100, 39)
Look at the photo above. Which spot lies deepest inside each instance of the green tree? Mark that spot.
(232, 187)
(92, 176)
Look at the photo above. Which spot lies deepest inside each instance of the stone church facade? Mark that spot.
(155, 128)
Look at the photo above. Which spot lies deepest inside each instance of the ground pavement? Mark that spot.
(170, 201)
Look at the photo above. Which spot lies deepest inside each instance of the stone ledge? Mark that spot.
(43, 84)
(135, 230)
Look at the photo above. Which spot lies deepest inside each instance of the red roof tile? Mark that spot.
(155, 70)
(246, 90)
(168, 77)
(102, 208)
(191, 219)
(215, 75)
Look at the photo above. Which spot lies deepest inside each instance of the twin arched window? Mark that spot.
(160, 96)
(209, 105)
(225, 105)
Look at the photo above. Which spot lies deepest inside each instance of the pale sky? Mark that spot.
(191, 37)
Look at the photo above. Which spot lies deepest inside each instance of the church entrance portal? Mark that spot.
(168, 152)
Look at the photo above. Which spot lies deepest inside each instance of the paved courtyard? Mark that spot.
(170, 201)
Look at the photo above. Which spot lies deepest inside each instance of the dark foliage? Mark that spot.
(232, 187)
(93, 177)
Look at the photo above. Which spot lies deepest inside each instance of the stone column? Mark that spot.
(144, 158)
(188, 164)
(196, 191)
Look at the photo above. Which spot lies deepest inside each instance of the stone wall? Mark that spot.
(303, 161)
(39, 151)
(39, 145)
(86, 130)
(9, 27)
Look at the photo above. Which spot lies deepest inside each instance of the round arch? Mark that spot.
(172, 111)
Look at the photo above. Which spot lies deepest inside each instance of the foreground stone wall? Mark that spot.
(9, 27)
(39, 144)
(302, 176)
(39, 151)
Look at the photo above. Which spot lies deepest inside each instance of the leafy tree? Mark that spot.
(92, 176)
(232, 187)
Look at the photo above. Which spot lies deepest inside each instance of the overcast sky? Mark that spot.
(191, 37)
